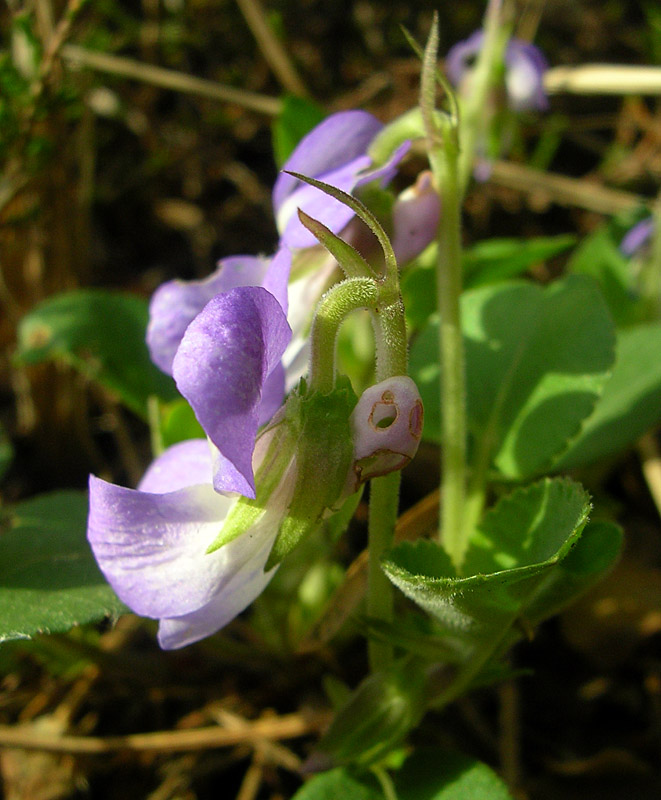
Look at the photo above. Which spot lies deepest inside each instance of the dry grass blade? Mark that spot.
(560, 189)
(170, 79)
(288, 726)
(604, 79)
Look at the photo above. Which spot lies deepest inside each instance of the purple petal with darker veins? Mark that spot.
(176, 303)
(152, 547)
(184, 464)
(247, 583)
(337, 140)
(224, 359)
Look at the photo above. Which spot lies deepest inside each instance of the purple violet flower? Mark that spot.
(151, 544)
(638, 237)
(525, 66)
(222, 339)
(334, 152)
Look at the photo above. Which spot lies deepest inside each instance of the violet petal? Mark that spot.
(222, 363)
(176, 303)
(637, 237)
(152, 547)
(336, 141)
(184, 464)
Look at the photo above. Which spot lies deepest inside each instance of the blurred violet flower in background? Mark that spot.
(638, 238)
(525, 66)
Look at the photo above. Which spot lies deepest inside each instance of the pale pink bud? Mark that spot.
(415, 217)
(387, 426)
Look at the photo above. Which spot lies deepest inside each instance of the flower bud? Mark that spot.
(387, 426)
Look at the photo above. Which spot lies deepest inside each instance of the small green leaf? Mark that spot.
(497, 259)
(514, 550)
(630, 404)
(49, 580)
(490, 261)
(101, 334)
(536, 362)
(436, 774)
(296, 118)
(592, 557)
(340, 784)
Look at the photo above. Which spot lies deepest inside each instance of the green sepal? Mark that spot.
(323, 460)
(247, 511)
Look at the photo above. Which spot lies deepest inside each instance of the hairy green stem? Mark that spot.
(384, 502)
(453, 381)
(443, 151)
(333, 308)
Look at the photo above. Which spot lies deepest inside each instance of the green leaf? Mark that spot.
(630, 404)
(497, 259)
(296, 118)
(536, 362)
(101, 334)
(490, 261)
(49, 580)
(436, 774)
(511, 556)
(592, 557)
(599, 256)
(340, 784)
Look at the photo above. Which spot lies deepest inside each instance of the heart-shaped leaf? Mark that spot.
(630, 404)
(49, 580)
(101, 334)
(510, 560)
(536, 362)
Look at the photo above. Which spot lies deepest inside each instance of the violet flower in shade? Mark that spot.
(223, 339)
(525, 66)
(151, 544)
(638, 237)
(335, 152)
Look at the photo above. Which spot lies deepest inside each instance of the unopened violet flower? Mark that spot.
(387, 428)
(638, 237)
(525, 66)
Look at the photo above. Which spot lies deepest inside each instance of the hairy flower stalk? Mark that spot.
(381, 296)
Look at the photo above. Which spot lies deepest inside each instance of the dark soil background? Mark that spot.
(135, 184)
